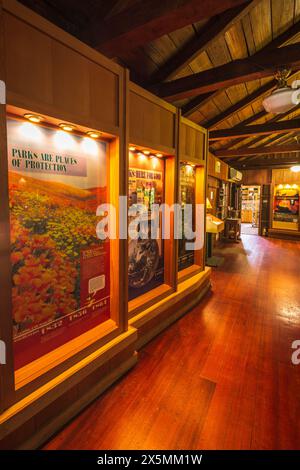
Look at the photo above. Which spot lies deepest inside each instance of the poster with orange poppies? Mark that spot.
(60, 269)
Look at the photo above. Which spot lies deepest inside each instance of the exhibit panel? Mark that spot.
(285, 203)
(164, 170)
(152, 182)
(192, 196)
(63, 317)
(77, 298)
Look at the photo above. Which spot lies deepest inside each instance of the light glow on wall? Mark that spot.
(30, 132)
(63, 141)
(295, 168)
(90, 146)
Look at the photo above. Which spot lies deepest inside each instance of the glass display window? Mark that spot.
(60, 269)
(286, 206)
(186, 258)
(145, 255)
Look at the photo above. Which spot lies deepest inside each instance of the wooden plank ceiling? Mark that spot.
(180, 52)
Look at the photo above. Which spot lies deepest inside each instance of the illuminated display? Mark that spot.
(187, 196)
(146, 260)
(60, 269)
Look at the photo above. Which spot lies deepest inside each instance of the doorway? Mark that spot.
(250, 214)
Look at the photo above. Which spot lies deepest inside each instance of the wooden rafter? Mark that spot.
(266, 163)
(257, 150)
(240, 105)
(255, 117)
(195, 103)
(215, 28)
(281, 127)
(249, 120)
(261, 65)
(150, 19)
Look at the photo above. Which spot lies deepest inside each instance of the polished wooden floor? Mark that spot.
(221, 377)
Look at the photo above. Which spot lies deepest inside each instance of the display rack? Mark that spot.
(286, 207)
(251, 205)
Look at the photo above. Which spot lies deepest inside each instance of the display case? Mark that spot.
(152, 178)
(192, 191)
(63, 319)
(81, 148)
(167, 165)
(186, 258)
(146, 257)
(286, 207)
(250, 205)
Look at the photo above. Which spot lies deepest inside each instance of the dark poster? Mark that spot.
(187, 196)
(146, 258)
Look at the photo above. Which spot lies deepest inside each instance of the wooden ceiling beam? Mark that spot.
(242, 104)
(196, 103)
(261, 65)
(257, 150)
(277, 117)
(281, 127)
(215, 28)
(193, 105)
(266, 165)
(247, 121)
(150, 19)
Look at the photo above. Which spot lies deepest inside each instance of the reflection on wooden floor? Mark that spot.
(221, 377)
(248, 229)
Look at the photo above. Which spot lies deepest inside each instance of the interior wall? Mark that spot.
(257, 177)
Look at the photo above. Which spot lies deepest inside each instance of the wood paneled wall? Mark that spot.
(152, 121)
(52, 73)
(214, 164)
(257, 177)
(192, 142)
(285, 176)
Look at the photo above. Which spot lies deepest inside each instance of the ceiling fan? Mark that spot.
(285, 97)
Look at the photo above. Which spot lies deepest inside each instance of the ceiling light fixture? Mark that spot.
(131, 148)
(94, 134)
(33, 117)
(285, 97)
(66, 127)
(295, 168)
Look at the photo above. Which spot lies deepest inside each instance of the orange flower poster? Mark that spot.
(60, 269)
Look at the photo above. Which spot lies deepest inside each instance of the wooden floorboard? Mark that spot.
(219, 378)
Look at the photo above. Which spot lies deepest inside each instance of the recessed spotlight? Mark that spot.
(159, 155)
(132, 149)
(66, 127)
(295, 168)
(94, 134)
(146, 152)
(33, 117)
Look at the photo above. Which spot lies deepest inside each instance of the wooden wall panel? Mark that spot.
(66, 80)
(152, 121)
(70, 81)
(285, 176)
(104, 90)
(258, 177)
(212, 166)
(28, 61)
(192, 142)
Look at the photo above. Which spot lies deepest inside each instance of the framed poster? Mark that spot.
(60, 269)
(146, 256)
(187, 196)
(286, 204)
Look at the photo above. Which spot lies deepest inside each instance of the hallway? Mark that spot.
(222, 376)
